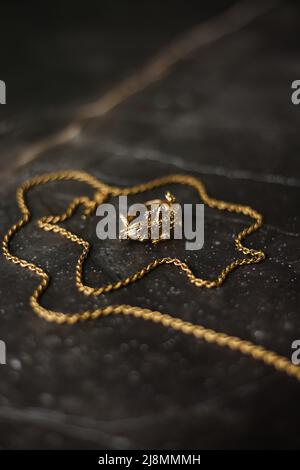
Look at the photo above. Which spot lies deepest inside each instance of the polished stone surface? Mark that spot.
(224, 115)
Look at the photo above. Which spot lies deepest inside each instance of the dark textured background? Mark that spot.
(225, 115)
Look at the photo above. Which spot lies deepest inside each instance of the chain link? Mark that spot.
(101, 192)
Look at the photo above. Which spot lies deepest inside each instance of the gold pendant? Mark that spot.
(155, 224)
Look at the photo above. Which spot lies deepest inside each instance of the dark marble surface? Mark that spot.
(224, 115)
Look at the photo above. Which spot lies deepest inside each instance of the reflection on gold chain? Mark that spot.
(101, 192)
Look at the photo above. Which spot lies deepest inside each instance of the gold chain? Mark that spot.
(102, 192)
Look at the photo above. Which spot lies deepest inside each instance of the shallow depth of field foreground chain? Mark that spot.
(101, 192)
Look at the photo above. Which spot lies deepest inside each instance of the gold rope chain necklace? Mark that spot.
(102, 192)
